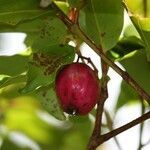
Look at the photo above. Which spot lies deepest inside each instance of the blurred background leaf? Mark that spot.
(7, 144)
(26, 116)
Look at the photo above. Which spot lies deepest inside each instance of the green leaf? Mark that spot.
(140, 16)
(73, 3)
(11, 91)
(54, 50)
(63, 6)
(130, 30)
(52, 33)
(139, 68)
(21, 115)
(12, 11)
(43, 31)
(3, 79)
(125, 46)
(127, 96)
(7, 80)
(139, 7)
(50, 102)
(36, 79)
(80, 131)
(42, 70)
(131, 43)
(76, 3)
(143, 28)
(7, 144)
(104, 21)
(13, 65)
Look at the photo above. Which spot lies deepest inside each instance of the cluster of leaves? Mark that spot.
(33, 72)
(45, 38)
(137, 49)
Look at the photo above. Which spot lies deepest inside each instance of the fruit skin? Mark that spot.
(78, 89)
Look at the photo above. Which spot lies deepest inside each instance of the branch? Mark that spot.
(148, 142)
(145, 3)
(110, 127)
(75, 29)
(96, 135)
(125, 127)
(142, 124)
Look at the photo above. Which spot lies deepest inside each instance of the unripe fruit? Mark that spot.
(77, 87)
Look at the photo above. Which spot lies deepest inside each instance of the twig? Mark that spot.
(125, 127)
(75, 29)
(110, 127)
(96, 135)
(145, 3)
(88, 61)
(148, 142)
(141, 125)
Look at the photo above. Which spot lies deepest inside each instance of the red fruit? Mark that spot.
(77, 87)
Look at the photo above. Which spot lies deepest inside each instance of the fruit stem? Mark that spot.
(88, 61)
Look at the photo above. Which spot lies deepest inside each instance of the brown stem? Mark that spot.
(145, 3)
(88, 61)
(96, 135)
(80, 56)
(75, 29)
(125, 127)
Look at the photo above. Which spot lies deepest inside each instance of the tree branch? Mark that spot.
(125, 127)
(142, 124)
(75, 29)
(145, 3)
(110, 127)
(148, 142)
(94, 139)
